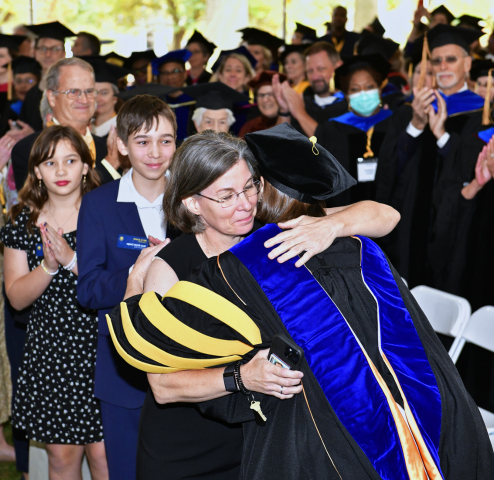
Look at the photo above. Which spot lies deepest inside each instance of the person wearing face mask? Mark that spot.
(427, 151)
(266, 101)
(214, 107)
(356, 137)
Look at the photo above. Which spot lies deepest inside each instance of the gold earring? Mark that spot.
(84, 179)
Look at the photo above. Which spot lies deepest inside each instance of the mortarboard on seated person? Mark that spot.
(480, 72)
(170, 70)
(139, 63)
(376, 28)
(154, 89)
(303, 34)
(49, 48)
(115, 59)
(106, 77)
(201, 49)
(475, 23)
(263, 46)
(214, 106)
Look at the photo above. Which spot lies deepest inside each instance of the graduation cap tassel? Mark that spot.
(9, 81)
(423, 65)
(149, 73)
(486, 114)
(410, 72)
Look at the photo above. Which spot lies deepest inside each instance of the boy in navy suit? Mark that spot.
(116, 222)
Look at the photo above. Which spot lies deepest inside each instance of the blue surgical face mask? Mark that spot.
(364, 103)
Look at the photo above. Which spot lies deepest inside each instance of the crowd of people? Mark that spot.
(160, 369)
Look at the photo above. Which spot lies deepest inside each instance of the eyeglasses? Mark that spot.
(260, 96)
(449, 59)
(49, 49)
(173, 72)
(76, 93)
(20, 81)
(232, 199)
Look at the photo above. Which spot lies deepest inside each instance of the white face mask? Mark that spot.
(365, 102)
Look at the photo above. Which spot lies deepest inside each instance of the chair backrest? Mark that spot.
(479, 331)
(447, 313)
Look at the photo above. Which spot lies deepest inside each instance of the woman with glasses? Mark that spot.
(266, 102)
(212, 196)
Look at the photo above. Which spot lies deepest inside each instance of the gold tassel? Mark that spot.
(369, 153)
(149, 73)
(486, 114)
(332, 85)
(423, 66)
(9, 81)
(410, 71)
(313, 140)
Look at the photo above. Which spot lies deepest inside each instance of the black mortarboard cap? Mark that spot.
(239, 51)
(107, 72)
(305, 30)
(377, 27)
(26, 65)
(442, 35)
(480, 68)
(53, 30)
(198, 37)
(155, 89)
(374, 60)
(370, 43)
(180, 56)
(469, 21)
(293, 48)
(416, 53)
(214, 96)
(11, 41)
(254, 36)
(327, 25)
(442, 9)
(294, 165)
(134, 56)
(115, 59)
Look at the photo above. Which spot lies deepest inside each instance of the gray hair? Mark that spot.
(53, 74)
(45, 108)
(199, 113)
(197, 163)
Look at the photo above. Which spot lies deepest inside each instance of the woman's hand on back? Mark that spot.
(260, 375)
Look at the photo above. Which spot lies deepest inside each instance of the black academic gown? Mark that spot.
(30, 113)
(288, 447)
(348, 144)
(320, 114)
(204, 77)
(409, 178)
(22, 150)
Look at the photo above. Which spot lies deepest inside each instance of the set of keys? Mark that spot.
(258, 415)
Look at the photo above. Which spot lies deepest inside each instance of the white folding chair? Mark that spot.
(447, 313)
(480, 331)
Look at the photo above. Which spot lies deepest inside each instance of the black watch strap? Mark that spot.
(229, 379)
(284, 114)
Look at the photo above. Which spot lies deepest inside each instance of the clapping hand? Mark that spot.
(6, 145)
(482, 173)
(421, 103)
(438, 119)
(19, 133)
(489, 158)
(278, 94)
(57, 244)
(50, 261)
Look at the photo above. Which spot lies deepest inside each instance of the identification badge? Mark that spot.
(366, 169)
(132, 243)
(39, 250)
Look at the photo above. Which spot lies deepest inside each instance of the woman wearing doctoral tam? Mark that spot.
(381, 400)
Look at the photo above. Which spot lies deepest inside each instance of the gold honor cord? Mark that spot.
(369, 153)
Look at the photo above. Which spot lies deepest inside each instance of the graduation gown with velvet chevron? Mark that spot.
(288, 446)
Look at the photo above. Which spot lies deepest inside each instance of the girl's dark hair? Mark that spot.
(197, 163)
(34, 195)
(277, 207)
(345, 80)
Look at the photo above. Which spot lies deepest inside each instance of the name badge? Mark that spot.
(39, 250)
(366, 169)
(132, 243)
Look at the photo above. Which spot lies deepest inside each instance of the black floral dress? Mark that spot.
(55, 398)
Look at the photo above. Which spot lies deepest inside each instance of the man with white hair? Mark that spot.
(214, 106)
(419, 156)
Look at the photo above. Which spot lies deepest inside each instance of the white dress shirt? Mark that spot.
(104, 129)
(151, 214)
(323, 101)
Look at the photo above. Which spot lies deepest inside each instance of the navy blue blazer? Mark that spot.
(103, 271)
